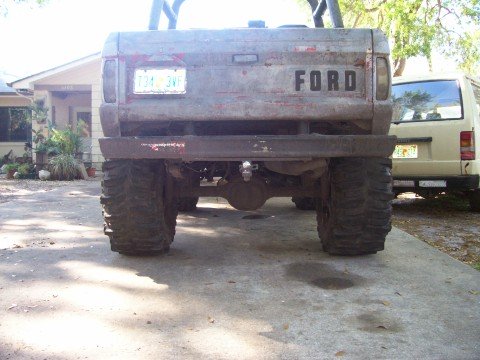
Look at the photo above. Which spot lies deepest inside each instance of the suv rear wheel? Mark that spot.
(474, 198)
(304, 203)
(355, 217)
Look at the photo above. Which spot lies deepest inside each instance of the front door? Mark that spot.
(83, 115)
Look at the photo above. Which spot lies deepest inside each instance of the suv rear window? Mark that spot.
(427, 101)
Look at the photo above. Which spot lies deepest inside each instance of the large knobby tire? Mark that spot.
(139, 210)
(304, 203)
(188, 204)
(474, 199)
(356, 217)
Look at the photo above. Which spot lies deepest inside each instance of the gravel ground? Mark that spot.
(444, 222)
(11, 189)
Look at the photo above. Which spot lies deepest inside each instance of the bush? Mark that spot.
(24, 169)
(63, 167)
(68, 141)
(11, 166)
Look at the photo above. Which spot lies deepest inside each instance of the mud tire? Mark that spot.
(304, 203)
(356, 218)
(139, 212)
(474, 199)
(187, 204)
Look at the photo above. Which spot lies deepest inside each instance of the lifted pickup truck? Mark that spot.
(266, 112)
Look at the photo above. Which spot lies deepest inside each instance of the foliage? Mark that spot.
(63, 167)
(417, 27)
(6, 4)
(11, 167)
(68, 141)
(38, 111)
(24, 169)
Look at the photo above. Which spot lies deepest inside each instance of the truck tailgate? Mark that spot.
(246, 74)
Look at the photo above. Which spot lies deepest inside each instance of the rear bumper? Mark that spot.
(461, 182)
(232, 148)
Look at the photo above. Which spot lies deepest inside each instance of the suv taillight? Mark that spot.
(467, 145)
(109, 78)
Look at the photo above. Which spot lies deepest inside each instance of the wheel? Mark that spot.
(474, 199)
(187, 204)
(355, 218)
(139, 211)
(304, 203)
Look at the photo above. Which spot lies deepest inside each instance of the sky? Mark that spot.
(35, 39)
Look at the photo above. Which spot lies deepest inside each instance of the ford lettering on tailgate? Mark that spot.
(331, 80)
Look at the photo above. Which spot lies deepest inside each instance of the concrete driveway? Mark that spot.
(231, 288)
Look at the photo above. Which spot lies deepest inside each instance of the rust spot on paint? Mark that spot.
(305, 48)
(359, 62)
(175, 146)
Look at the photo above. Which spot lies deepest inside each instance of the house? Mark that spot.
(71, 92)
(15, 128)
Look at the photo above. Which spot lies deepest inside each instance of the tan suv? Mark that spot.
(437, 121)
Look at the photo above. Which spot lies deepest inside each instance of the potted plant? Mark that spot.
(91, 171)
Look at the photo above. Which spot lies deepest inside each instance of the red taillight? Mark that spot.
(467, 145)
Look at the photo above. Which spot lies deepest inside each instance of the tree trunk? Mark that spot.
(399, 66)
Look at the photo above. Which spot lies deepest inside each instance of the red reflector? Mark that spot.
(467, 145)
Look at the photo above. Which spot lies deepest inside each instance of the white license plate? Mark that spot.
(432, 183)
(160, 81)
(404, 183)
(405, 152)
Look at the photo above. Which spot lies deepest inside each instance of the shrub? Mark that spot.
(11, 166)
(68, 141)
(63, 167)
(24, 169)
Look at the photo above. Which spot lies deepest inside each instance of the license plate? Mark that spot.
(405, 152)
(432, 183)
(160, 81)
(404, 183)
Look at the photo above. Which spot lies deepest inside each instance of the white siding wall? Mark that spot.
(97, 132)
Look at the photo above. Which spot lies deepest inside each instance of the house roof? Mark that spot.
(5, 89)
(27, 82)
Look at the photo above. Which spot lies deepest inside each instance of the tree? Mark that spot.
(5, 4)
(417, 27)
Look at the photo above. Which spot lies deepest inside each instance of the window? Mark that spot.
(427, 101)
(15, 125)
